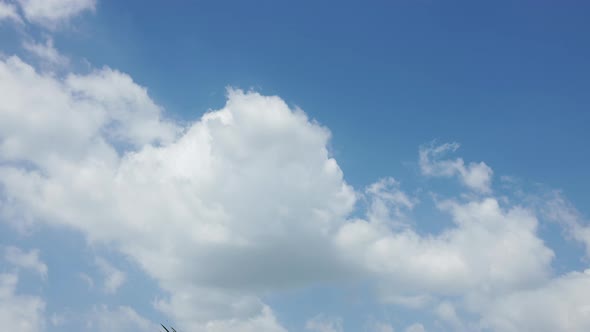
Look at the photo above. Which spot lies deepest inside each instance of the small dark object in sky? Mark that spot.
(173, 330)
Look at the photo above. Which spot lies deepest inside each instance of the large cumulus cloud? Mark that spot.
(244, 199)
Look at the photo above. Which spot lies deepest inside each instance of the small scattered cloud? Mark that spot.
(113, 277)
(476, 176)
(26, 260)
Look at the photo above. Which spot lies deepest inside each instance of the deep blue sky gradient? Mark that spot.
(507, 79)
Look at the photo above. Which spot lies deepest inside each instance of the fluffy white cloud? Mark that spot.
(477, 176)
(113, 277)
(489, 250)
(323, 323)
(560, 305)
(51, 13)
(263, 321)
(235, 195)
(9, 12)
(103, 107)
(26, 260)
(19, 313)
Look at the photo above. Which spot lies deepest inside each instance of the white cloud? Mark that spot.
(217, 310)
(103, 107)
(476, 176)
(113, 277)
(46, 52)
(51, 13)
(19, 313)
(557, 208)
(488, 250)
(9, 12)
(262, 322)
(560, 305)
(323, 323)
(235, 195)
(388, 202)
(26, 260)
(120, 319)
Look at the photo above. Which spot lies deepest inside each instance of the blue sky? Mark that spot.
(383, 75)
(156, 165)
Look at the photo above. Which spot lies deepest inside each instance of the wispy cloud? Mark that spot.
(477, 176)
(46, 52)
(53, 13)
(113, 277)
(26, 260)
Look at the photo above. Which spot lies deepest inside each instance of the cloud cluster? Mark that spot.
(247, 200)
(488, 250)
